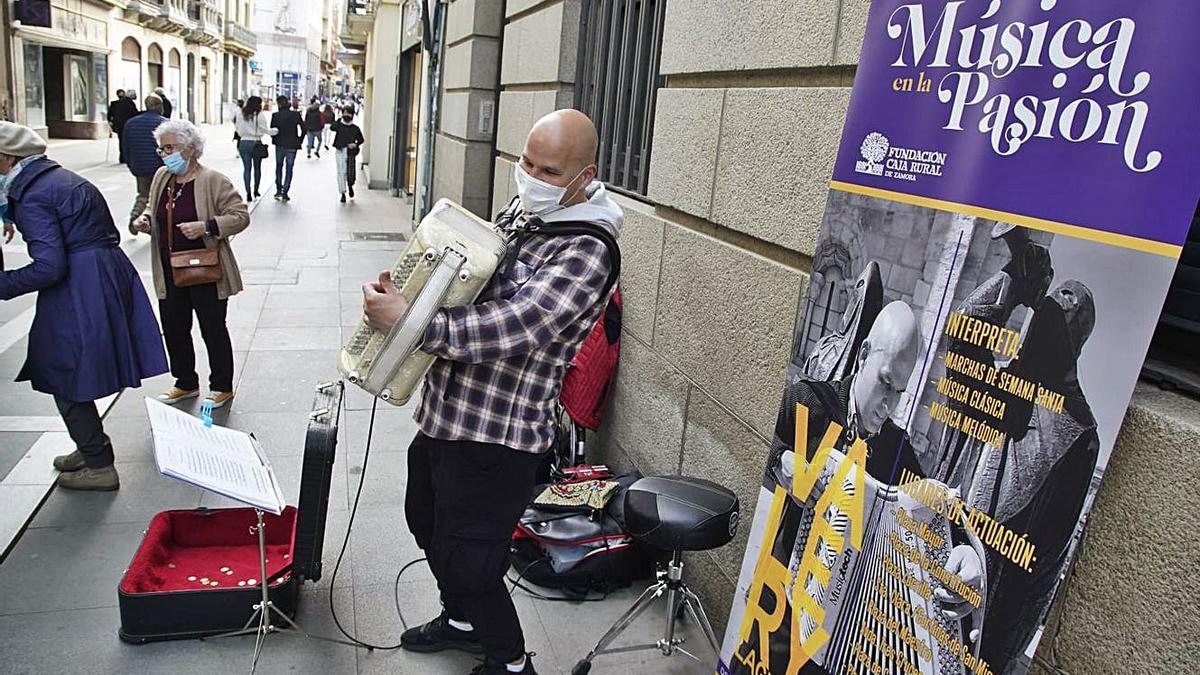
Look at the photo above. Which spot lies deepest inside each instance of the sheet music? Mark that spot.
(222, 460)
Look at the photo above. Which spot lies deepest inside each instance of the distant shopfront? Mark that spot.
(289, 84)
(63, 76)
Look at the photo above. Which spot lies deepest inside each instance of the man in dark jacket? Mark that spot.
(83, 280)
(166, 102)
(112, 107)
(313, 124)
(119, 112)
(287, 144)
(141, 150)
(347, 139)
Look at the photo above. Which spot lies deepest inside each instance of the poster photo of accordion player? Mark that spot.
(954, 391)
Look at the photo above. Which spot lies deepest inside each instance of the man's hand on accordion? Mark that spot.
(383, 305)
(963, 562)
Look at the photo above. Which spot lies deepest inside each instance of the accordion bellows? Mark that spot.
(452, 256)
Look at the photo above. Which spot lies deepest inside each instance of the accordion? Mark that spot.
(452, 256)
(879, 610)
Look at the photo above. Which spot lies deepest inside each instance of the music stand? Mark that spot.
(265, 610)
(179, 439)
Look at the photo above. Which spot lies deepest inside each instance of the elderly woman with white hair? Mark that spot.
(192, 214)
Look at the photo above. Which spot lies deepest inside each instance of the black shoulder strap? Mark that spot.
(582, 227)
(506, 215)
(825, 392)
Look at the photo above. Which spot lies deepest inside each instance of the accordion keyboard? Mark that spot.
(400, 274)
(447, 262)
(879, 619)
(878, 611)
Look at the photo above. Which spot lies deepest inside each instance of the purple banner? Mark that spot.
(1075, 112)
(1014, 184)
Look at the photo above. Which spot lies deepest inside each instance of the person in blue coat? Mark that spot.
(141, 152)
(94, 332)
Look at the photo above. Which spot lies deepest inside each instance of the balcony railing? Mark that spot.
(178, 15)
(240, 38)
(360, 16)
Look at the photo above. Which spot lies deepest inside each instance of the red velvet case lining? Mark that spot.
(200, 542)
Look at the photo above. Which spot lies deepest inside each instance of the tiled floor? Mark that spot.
(58, 600)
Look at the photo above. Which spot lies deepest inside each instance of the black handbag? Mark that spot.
(260, 150)
(580, 549)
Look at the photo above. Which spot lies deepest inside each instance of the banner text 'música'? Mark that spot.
(985, 50)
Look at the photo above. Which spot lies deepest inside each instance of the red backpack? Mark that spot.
(588, 383)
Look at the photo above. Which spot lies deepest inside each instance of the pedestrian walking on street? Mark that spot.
(347, 139)
(289, 130)
(141, 150)
(328, 116)
(94, 332)
(113, 105)
(120, 111)
(313, 126)
(193, 208)
(166, 102)
(251, 126)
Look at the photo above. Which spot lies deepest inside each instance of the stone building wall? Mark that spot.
(467, 122)
(537, 76)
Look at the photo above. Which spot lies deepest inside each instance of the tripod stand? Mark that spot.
(679, 598)
(262, 621)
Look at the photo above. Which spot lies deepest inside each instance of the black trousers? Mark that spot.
(462, 502)
(87, 431)
(176, 315)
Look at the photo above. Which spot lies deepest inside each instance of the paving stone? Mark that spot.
(13, 446)
(144, 492)
(280, 381)
(93, 557)
(381, 544)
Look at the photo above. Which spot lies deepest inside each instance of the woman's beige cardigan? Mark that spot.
(216, 199)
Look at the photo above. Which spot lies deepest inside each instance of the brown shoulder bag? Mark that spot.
(189, 268)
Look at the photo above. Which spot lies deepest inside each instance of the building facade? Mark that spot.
(240, 46)
(65, 75)
(395, 92)
(719, 125)
(288, 58)
(332, 79)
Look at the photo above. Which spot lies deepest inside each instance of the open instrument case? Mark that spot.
(196, 572)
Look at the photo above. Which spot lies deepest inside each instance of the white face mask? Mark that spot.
(539, 197)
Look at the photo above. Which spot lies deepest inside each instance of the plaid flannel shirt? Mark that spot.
(501, 361)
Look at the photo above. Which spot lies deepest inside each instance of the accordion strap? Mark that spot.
(581, 227)
(825, 392)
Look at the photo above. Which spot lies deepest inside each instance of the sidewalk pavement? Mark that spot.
(303, 263)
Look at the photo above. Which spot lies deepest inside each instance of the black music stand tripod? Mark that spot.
(263, 621)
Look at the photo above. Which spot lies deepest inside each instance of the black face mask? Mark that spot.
(347, 119)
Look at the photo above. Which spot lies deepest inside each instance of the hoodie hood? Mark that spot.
(599, 209)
